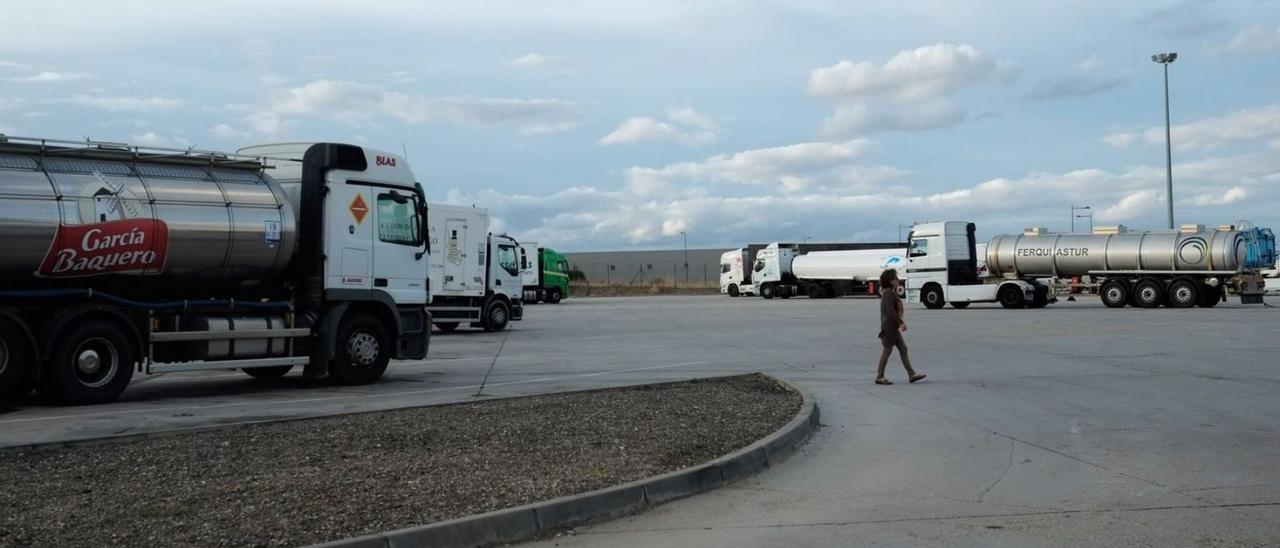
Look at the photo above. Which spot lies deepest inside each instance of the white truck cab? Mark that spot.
(475, 275)
(943, 267)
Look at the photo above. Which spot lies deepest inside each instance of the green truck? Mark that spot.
(547, 277)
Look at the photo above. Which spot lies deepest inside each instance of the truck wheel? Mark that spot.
(767, 291)
(268, 373)
(1210, 296)
(554, 295)
(959, 305)
(932, 297)
(733, 290)
(92, 364)
(1040, 298)
(1011, 297)
(1183, 293)
(364, 348)
(14, 373)
(1115, 294)
(446, 327)
(1149, 293)
(814, 292)
(496, 315)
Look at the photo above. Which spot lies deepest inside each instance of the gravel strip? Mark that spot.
(303, 482)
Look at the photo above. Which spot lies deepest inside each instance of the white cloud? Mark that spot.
(49, 77)
(224, 132)
(10, 65)
(786, 165)
(911, 91)
(126, 103)
(359, 104)
(1254, 39)
(1231, 196)
(153, 139)
(529, 60)
(1241, 126)
(685, 125)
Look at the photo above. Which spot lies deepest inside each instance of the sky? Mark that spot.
(605, 125)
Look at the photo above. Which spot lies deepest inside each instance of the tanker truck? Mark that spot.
(121, 259)
(822, 270)
(1179, 269)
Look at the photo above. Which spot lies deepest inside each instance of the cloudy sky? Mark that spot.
(612, 125)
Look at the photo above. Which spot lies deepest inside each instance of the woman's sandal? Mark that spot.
(917, 377)
(882, 380)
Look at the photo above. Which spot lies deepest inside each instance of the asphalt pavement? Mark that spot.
(1071, 425)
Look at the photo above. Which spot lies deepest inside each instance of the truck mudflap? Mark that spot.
(415, 333)
(517, 311)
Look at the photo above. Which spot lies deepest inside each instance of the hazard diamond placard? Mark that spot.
(359, 209)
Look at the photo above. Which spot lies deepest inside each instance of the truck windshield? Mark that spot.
(919, 248)
(398, 220)
(507, 259)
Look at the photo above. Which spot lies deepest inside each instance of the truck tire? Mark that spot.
(1040, 298)
(1183, 293)
(1011, 297)
(932, 297)
(1149, 293)
(554, 295)
(1114, 294)
(446, 327)
(14, 365)
(92, 363)
(766, 291)
(814, 292)
(1210, 296)
(268, 373)
(733, 290)
(955, 304)
(497, 314)
(364, 349)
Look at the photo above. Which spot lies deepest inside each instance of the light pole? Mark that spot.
(1165, 59)
(1074, 216)
(685, 235)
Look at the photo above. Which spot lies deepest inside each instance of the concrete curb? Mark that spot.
(526, 522)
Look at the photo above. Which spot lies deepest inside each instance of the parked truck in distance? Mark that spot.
(1180, 269)
(736, 274)
(474, 275)
(121, 259)
(822, 270)
(546, 277)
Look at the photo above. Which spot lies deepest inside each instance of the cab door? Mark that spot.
(348, 234)
(399, 253)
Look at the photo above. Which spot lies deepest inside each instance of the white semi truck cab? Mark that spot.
(943, 267)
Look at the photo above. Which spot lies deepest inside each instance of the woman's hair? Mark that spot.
(887, 276)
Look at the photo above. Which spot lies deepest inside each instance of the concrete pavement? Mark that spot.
(1072, 425)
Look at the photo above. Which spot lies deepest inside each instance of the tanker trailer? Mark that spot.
(1179, 269)
(825, 274)
(774, 274)
(121, 259)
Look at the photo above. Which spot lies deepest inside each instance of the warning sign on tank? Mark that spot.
(359, 209)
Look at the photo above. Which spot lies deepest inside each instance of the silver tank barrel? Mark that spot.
(1065, 255)
(139, 228)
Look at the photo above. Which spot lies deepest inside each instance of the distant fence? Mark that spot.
(645, 274)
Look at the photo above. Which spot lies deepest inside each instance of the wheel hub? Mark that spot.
(499, 315)
(362, 348)
(96, 361)
(1183, 295)
(88, 362)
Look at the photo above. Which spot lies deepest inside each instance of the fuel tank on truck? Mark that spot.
(1065, 255)
(858, 264)
(141, 225)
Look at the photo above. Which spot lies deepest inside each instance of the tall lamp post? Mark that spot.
(1165, 59)
(685, 235)
(1075, 215)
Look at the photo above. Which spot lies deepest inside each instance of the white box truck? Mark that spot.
(122, 259)
(475, 276)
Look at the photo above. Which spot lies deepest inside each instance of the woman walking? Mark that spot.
(892, 326)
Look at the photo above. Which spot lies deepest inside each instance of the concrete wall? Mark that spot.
(636, 267)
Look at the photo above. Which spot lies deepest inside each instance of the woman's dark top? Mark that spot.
(890, 316)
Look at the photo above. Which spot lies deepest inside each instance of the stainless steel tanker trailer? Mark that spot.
(1179, 269)
(120, 260)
